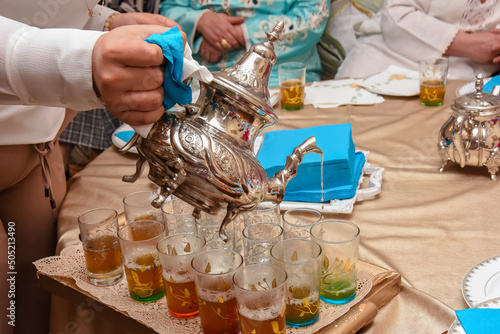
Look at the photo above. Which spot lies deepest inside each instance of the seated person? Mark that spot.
(405, 31)
(219, 35)
(341, 29)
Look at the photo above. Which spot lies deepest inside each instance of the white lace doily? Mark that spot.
(71, 263)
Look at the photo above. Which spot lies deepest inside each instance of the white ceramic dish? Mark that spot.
(456, 327)
(482, 282)
(469, 87)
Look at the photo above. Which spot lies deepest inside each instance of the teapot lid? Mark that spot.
(478, 102)
(248, 79)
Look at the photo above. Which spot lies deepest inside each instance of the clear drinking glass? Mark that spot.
(138, 206)
(297, 223)
(258, 239)
(214, 270)
(261, 298)
(340, 243)
(98, 232)
(178, 216)
(176, 252)
(301, 259)
(138, 241)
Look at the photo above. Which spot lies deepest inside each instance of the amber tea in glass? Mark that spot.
(98, 232)
(432, 93)
(176, 252)
(292, 79)
(138, 241)
(214, 270)
(261, 298)
(432, 75)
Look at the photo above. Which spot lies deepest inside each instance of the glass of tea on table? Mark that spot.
(301, 259)
(138, 241)
(432, 74)
(138, 206)
(261, 298)
(340, 243)
(292, 79)
(176, 252)
(98, 232)
(213, 277)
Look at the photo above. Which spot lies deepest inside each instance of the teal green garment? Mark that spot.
(305, 21)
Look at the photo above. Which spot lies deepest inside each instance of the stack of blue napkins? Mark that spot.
(342, 166)
(479, 320)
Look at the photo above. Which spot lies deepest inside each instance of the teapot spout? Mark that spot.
(277, 184)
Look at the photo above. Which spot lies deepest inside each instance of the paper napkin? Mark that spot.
(479, 320)
(124, 135)
(334, 93)
(395, 81)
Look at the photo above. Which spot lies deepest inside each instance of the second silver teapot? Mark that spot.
(205, 155)
(471, 136)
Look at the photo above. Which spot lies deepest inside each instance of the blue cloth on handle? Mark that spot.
(173, 50)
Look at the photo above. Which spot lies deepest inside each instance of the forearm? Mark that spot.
(51, 67)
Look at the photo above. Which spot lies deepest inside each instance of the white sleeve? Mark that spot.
(49, 67)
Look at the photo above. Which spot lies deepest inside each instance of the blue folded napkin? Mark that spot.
(125, 135)
(175, 91)
(341, 166)
(488, 87)
(479, 320)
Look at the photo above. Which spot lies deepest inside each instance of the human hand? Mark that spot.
(142, 18)
(209, 53)
(217, 26)
(128, 73)
(483, 47)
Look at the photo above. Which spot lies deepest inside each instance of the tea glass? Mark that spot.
(208, 226)
(176, 252)
(301, 259)
(98, 232)
(292, 79)
(213, 273)
(178, 216)
(264, 212)
(432, 74)
(261, 298)
(258, 239)
(138, 241)
(297, 223)
(340, 243)
(138, 206)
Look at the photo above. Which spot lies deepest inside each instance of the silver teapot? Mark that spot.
(471, 136)
(204, 155)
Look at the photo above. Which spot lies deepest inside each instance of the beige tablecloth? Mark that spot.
(431, 227)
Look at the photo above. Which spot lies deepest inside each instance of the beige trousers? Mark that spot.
(28, 230)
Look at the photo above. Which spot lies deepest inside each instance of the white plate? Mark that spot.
(482, 282)
(469, 87)
(456, 327)
(120, 142)
(394, 81)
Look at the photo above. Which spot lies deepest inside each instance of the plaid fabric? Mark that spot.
(91, 128)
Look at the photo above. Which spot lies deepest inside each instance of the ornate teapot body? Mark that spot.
(471, 136)
(205, 155)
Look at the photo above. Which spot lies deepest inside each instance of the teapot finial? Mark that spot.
(274, 35)
(479, 86)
